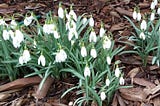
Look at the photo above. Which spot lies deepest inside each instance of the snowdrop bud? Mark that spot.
(158, 11)
(93, 53)
(28, 20)
(143, 25)
(152, 6)
(56, 34)
(108, 60)
(152, 16)
(134, 14)
(21, 60)
(139, 16)
(121, 81)
(84, 20)
(41, 60)
(13, 24)
(91, 21)
(142, 35)
(83, 51)
(101, 31)
(103, 96)
(60, 11)
(92, 37)
(5, 35)
(106, 43)
(117, 72)
(26, 56)
(87, 71)
(70, 103)
(107, 82)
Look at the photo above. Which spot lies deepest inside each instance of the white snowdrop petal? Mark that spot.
(87, 71)
(139, 16)
(91, 22)
(61, 12)
(117, 72)
(134, 15)
(108, 60)
(93, 53)
(107, 82)
(143, 25)
(142, 35)
(83, 51)
(121, 81)
(103, 96)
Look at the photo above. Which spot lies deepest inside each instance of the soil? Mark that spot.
(145, 81)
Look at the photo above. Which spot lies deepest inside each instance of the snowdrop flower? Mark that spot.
(21, 60)
(49, 28)
(107, 82)
(108, 60)
(106, 43)
(93, 53)
(72, 33)
(13, 24)
(121, 81)
(92, 37)
(143, 25)
(26, 56)
(117, 72)
(16, 42)
(73, 14)
(70, 103)
(83, 51)
(41, 60)
(158, 11)
(91, 21)
(139, 16)
(155, 2)
(152, 5)
(5, 35)
(11, 33)
(142, 35)
(19, 35)
(84, 20)
(56, 34)
(61, 56)
(152, 16)
(134, 14)
(60, 11)
(2, 22)
(28, 20)
(87, 71)
(103, 96)
(101, 31)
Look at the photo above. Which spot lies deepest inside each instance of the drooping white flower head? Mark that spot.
(11, 33)
(102, 31)
(93, 37)
(84, 20)
(41, 60)
(56, 34)
(2, 22)
(117, 72)
(18, 38)
(49, 28)
(158, 11)
(134, 15)
(13, 24)
(21, 60)
(152, 16)
(142, 35)
(107, 82)
(106, 43)
(152, 6)
(91, 22)
(121, 81)
(26, 56)
(73, 14)
(155, 2)
(61, 56)
(16, 42)
(28, 20)
(143, 25)
(108, 60)
(139, 16)
(60, 11)
(72, 33)
(5, 35)
(87, 71)
(93, 53)
(83, 51)
(103, 96)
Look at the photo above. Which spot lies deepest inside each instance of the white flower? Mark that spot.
(16, 42)
(49, 28)
(153, 6)
(84, 20)
(73, 15)
(143, 25)
(28, 20)
(117, 72)
(56, 34)
(72, 33)
(13, 24)
(91, 21)
(26, 56)
(2, 22)
(93, 53)
(108, 60)
(106, 43)
(11, 33)
(134, 15)
(41, 60)
(139, 16)
(5, 35)
(87, 71)
(61, 56)
(121, 81)
(155, 2)
(103, 96)
(152, 16)
(70, 103)
(158, 11)
(19, 35)
(92, 37)
(83, 51)
(60, 12)
(142, 35)
(21, 60)
(107, 82)
(101, 32)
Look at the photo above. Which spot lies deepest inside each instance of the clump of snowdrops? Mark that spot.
(146, 36)
(66, 43)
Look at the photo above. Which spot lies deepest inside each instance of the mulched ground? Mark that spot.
(145, 81)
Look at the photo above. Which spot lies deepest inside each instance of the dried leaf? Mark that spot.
(152, 90)
(123, 12)
(4, 96)
(118, 26)
(133, 72)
